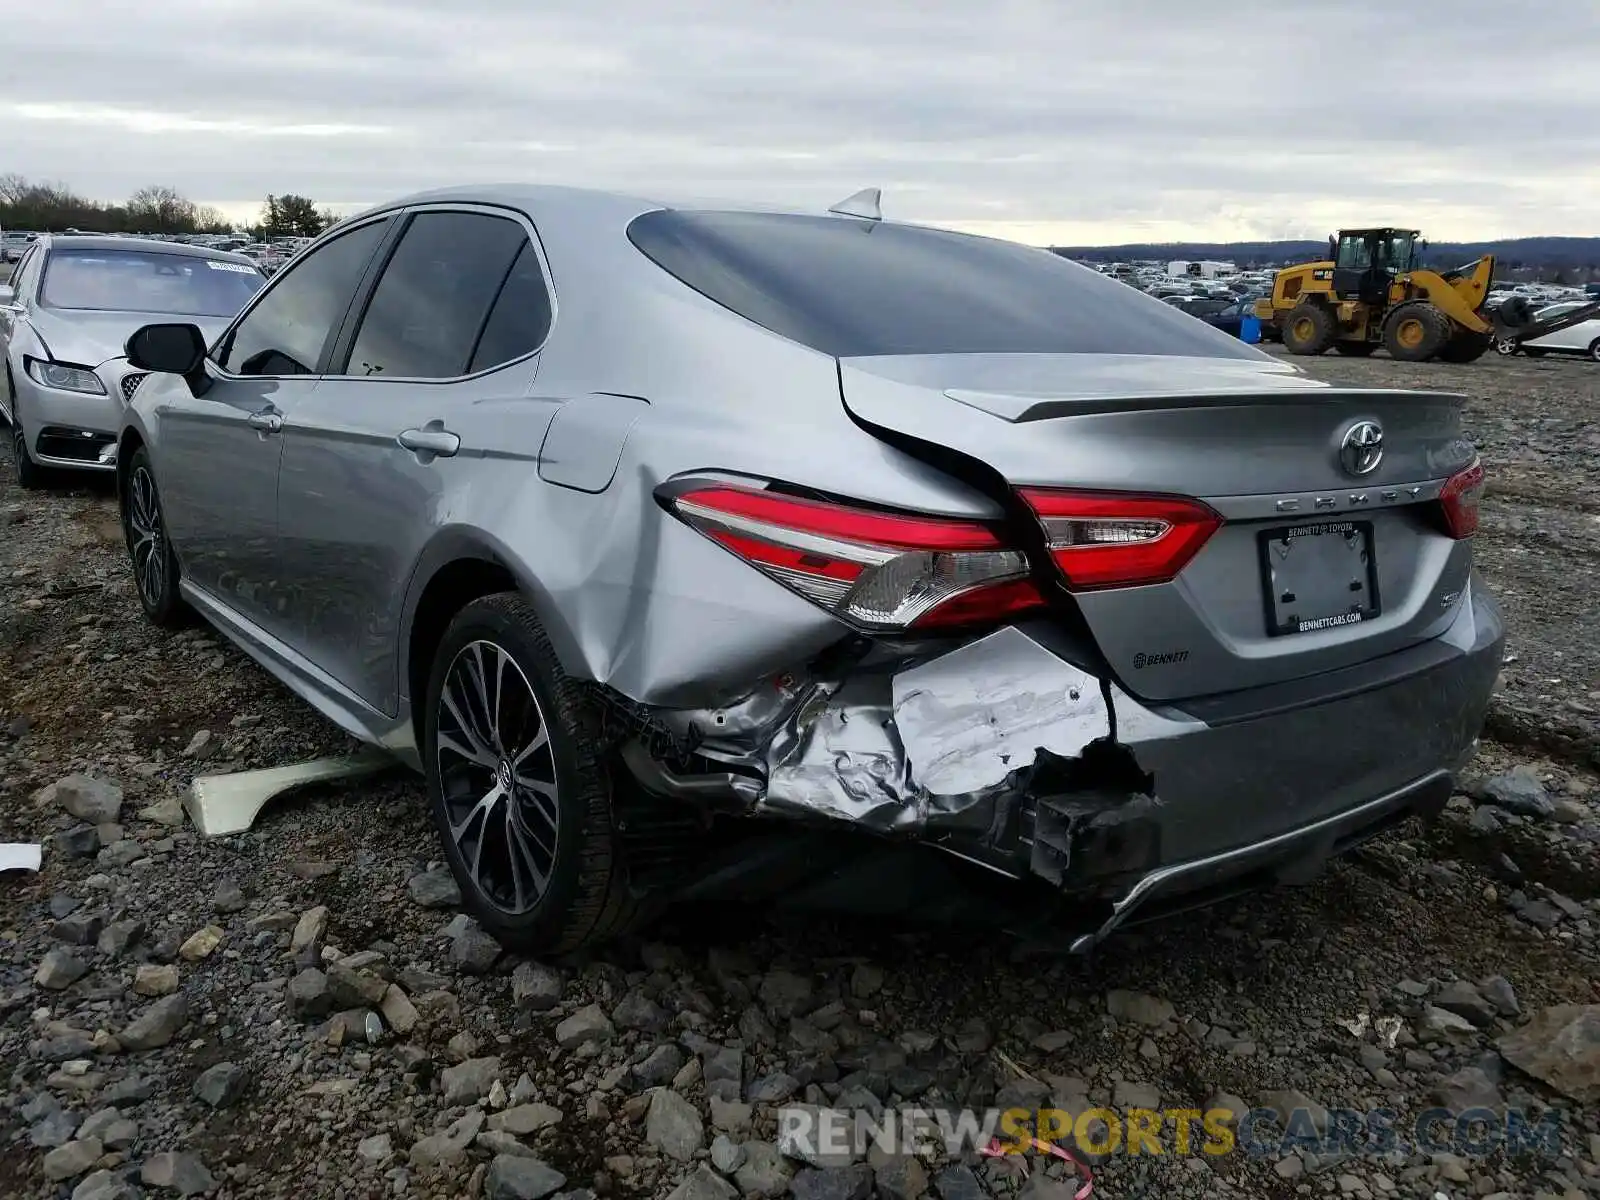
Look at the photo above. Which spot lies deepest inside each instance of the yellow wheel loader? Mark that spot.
(1370, 293)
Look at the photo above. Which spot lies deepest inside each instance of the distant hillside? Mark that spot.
(1575, 257)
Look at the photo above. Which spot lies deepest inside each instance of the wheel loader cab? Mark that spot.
(1369, 260)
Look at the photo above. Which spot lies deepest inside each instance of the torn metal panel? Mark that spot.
(971, 717)
(935, 745)
(224, 804)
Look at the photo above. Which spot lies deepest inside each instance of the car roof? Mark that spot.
(581, 206)
(101, 242)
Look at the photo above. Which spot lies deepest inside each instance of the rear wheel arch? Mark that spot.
(454, 573)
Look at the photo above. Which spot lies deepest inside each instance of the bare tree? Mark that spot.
(161, 209)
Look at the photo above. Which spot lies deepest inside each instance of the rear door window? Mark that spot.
(852, 288)
(520, 319)
(436, 297)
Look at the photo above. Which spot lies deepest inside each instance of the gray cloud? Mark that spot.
(1033, 118)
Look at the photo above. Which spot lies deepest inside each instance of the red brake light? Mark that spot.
(1460, 497)
(876, 570)
(1116, 539)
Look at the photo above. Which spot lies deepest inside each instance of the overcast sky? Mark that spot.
(1051, 121)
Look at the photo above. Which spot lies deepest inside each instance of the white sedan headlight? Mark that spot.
(67, 379)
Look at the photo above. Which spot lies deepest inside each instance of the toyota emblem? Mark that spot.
(1362, 448)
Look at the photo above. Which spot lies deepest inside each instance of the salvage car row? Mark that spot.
(700, 538)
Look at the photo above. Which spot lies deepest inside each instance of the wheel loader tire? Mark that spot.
(1465, 346)
(1415, 331)
(1355, 349)
(1309, 329)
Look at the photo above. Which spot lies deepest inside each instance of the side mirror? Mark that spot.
(8, 294)
(177, 349)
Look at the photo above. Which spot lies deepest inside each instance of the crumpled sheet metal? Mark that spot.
(931, 744)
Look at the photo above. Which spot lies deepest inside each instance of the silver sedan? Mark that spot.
(814, 559)
(68, 308)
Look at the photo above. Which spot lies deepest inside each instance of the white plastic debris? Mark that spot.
(1357, 1025)
(223, 804)
(20, 856)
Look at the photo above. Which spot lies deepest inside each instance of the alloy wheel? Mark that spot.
(497, 776)
(148, 548)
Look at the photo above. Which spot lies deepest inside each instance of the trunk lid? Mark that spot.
(1257, 440)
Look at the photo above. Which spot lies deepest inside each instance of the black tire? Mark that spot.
(1506, 346)
(30, 475)
(1465, 346)
(1309, 328)
(1355, 349)
(150, 555)
(585, 898)
(1415, 331)
(1594, 350)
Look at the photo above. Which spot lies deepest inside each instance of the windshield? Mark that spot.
(142, 281)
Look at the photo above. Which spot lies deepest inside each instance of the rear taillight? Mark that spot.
(878, 571)
(1460, 497)
(1114, 539)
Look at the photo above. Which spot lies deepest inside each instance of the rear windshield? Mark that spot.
(854, 288)
(141, 281)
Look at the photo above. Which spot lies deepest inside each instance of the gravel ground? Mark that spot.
(182, 1016)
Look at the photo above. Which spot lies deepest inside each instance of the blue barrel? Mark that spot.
(1250, 329)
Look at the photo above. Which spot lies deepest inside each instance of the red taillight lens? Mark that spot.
(1460, 497)
(878, 571)
(1112, 539)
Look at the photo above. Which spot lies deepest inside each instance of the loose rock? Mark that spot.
(181, 1173)
(515, 1177)
(155, 979)
(96, 801)
(221, 1085)
(60, 969)
(157, 1024)
(673, 1125)
(434, 889)
(1561, 1047)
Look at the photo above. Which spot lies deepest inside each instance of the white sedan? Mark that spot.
(1582, 338)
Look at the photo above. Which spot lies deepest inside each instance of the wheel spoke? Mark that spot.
(540, 740)
(468, 749)
(463, 723)
(523, 860)
(491, 747)
(477, 675)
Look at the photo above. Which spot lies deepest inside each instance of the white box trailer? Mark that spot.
(1203, 269)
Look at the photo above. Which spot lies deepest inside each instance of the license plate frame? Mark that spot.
(1317, 572)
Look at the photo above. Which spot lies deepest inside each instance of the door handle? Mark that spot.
(267, 422)
(438, 442)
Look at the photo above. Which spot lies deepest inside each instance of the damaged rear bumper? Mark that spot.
(1005, 754)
